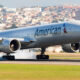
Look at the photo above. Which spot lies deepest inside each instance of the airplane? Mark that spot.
(66, 34)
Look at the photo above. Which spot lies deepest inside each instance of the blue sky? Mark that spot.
(23, 3)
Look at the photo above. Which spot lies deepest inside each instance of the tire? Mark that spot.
(42, 57)
(9, 57)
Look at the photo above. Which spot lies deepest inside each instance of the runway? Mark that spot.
(43, 62)
(55, 59)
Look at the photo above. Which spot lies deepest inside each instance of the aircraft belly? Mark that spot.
(48, 41)
(57, 40)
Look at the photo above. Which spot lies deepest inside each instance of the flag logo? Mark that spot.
(65, 31)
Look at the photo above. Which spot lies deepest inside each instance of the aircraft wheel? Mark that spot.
(42, 57)
(9, 57)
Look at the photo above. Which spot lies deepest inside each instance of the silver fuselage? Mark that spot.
(46, 35)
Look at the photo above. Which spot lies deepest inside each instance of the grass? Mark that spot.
(39, 72)
(65, 56)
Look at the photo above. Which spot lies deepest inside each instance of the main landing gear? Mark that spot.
(8, 57)
(42, 56)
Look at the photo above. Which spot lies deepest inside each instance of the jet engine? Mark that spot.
(9, 46)
(71, 48)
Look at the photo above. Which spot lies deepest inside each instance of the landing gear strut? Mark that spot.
(42, 56)
(8, 57)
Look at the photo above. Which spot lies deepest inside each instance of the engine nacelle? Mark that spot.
(9, 46)
(71, 48)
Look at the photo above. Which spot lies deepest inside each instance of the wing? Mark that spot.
(25, 40)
